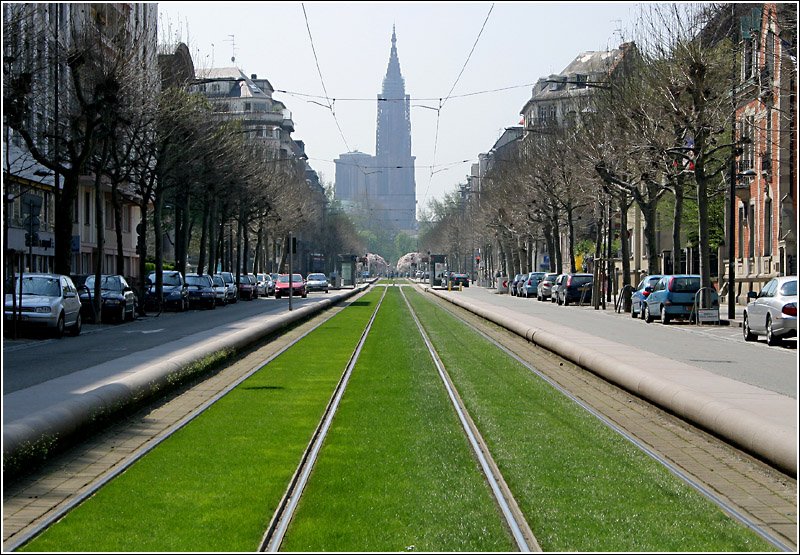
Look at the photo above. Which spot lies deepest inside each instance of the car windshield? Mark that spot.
(168, 279)
(581, 280)
(685, 285)
(789, 289)
(218, 281)
(316, 277)
(244, 280)
(41, 285)
(201, 281)
(107, 283)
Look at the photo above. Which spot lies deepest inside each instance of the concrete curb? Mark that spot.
(753, 434)
(145, 377)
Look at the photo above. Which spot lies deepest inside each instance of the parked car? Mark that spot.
(772, 312)
(545, 286)
(559, 282)
(173, 293)
(512, 286)
(117, 299)
(576, 288)
(201, 291)
(230, 284)
(44, 301)
(641, 293)
(317, 282)
(282, 286)
(460, 279)
(220, 290)
(265, 284)
(530, 284)
(673, 297)
(246, 288)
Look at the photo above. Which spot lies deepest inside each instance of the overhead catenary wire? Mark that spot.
(319, 70)
(442, 101)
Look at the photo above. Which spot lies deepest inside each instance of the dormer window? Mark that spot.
(581, 80)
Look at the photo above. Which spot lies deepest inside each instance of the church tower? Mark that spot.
(396, 188)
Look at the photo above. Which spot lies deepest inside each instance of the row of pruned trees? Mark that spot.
(87, 102)
(658, 128)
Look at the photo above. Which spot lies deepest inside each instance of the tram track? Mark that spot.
(520, 530)
(612, 406)
(757, 495)
(277, 527)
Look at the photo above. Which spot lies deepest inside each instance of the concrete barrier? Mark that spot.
(146, 376)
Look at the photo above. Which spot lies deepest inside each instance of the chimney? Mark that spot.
(253, 76)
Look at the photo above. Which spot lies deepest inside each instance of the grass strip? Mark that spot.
(214, 485)
(396, 472)
(582, 486)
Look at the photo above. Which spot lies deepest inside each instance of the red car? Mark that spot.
(298, 286)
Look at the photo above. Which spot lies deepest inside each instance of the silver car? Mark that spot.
(48, 301)
(773, 312)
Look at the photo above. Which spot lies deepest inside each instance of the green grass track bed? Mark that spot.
(582, 486)
(396, 472)
(214, 485)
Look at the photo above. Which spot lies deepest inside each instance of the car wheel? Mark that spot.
(748, 334)
(75, 330)
(772, 339)
(664, 316)
(59, 331)
(647, 316)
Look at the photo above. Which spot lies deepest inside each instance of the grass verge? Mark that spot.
(396, 472)
(214, 485)
(582, 486)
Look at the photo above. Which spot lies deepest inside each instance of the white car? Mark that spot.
(773, 312)
(317, 282)
(48, 301)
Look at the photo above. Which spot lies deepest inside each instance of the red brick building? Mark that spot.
(765, 209)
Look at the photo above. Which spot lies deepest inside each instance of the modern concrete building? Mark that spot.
(383, 186)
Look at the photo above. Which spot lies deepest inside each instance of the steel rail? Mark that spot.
(724, 505)
(276, 530)
(520, 530)
(141, 452)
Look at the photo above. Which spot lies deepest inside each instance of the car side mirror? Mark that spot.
(148, 281)
(648, 289)
(752, 295)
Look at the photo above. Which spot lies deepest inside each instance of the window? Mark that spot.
(553, 113)
(87, 208)
(247, 107)
(741, 231)
(751, 251)
(747, 131)
(769, 53)
(768, 227)
(580, 81)
(109, 215)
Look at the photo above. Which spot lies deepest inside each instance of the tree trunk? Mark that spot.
(62, 226)
(117, 205)
(201, 259)
(676, 226)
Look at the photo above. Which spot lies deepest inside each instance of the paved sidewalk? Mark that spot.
(760, 421)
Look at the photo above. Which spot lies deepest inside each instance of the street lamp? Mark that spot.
(731, 236)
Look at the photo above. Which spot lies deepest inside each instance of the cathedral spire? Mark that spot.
(393, 83)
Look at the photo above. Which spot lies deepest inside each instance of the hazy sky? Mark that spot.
(515, 43)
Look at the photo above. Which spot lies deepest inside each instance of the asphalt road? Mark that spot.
(35, 358)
